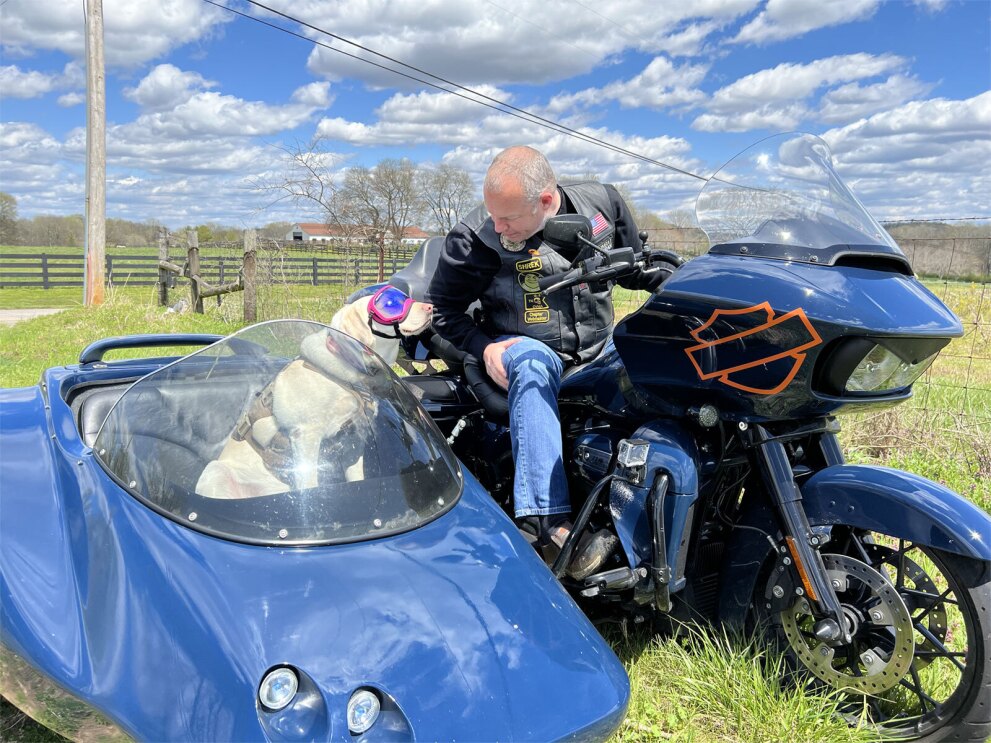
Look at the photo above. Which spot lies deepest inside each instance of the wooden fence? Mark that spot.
(47, 271)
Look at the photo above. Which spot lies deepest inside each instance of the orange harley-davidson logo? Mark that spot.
(744, 348)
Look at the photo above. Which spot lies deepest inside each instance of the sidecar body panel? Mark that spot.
(456, 625)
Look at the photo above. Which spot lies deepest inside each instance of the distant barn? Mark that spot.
(333, 233)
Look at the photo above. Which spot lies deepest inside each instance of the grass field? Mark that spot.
(698, 688)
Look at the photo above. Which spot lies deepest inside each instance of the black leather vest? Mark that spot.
(575, 322)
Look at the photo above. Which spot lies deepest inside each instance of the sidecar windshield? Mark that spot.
(286, 432)
(782, 198)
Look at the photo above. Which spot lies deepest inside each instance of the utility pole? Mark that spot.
(96, 156)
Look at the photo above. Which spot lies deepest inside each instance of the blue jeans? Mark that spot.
(534, 371)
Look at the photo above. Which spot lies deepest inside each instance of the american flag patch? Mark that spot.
(599, 224)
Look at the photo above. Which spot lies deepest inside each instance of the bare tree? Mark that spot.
(307, 180)
(448, 194)
(8, 219)
(383, 199)
(682, 218)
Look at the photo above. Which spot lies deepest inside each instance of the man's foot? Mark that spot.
(589, 554)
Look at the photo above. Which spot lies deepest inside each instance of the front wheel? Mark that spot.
(917, 667)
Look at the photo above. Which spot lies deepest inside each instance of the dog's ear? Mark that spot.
(354, 322)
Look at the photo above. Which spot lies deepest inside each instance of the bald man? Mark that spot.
(527, 339)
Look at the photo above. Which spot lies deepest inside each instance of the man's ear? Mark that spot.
(546, 200)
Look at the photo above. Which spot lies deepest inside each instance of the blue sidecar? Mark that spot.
(269, 539)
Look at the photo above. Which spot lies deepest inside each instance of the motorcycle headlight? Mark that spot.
(882, 369)
(862, 366)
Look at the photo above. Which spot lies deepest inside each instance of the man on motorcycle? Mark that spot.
(526, 339)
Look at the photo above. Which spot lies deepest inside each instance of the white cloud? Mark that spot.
(776, 98)
(178, 106)
(853, 101)
(165, 87)
(775, 117)
(785, 19)
(475, 42)
(921, 159)
(134, 32)
(71, 99)
(17, 83)
(659, 85)
(314, 94)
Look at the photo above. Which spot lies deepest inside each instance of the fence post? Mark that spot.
(381, 256)
(194, 271)
(163, 275)
(249, 269)
(44, 270)
(221, 282)
(109, 270)
(315, 281)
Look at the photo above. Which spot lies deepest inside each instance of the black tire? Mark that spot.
(943, 693)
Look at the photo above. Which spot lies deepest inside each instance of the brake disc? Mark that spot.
(883, 644)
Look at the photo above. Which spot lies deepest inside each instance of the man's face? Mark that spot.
(513, 216)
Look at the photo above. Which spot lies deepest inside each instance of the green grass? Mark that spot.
(689, 688)
(709, 687)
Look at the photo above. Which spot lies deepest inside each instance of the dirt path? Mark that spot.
(9, 317)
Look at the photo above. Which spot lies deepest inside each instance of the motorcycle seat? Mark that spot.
(414, 278)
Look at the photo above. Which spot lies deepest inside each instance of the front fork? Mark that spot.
(801, 549)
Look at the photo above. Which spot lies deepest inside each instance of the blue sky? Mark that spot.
(201, 101)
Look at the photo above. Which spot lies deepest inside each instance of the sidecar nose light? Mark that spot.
(363, 711)
(278, 688)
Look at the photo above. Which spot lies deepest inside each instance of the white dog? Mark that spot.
(360, 323)
(275, 447)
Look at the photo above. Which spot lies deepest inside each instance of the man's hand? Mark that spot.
(492, 356)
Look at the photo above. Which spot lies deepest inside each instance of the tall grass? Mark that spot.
(694, 687)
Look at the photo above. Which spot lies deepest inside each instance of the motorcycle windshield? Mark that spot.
(286, 432)
(782, 198)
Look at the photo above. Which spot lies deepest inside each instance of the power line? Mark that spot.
(496, 104)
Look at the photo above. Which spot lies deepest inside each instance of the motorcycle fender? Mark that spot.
(899, 504)
(881, 499)
(671, 452)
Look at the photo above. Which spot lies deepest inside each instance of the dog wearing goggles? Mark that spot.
(381, 320)
(253, 462)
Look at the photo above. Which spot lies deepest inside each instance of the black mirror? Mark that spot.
(567, 230)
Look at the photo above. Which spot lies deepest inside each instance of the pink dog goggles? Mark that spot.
(389, 305)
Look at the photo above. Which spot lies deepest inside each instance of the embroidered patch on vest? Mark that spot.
(529, 282)
(531, 317)
(535, 301)
(599, 224)
(533, 264)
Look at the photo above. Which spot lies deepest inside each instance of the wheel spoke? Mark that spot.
(934, 600)
(863, 552)
(900, 569)
(938, 654)
(916, 688)
(944, 651)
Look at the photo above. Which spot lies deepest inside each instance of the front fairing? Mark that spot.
(800, 285)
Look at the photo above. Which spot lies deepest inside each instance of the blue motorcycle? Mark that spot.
(275, 538)
(705, 438)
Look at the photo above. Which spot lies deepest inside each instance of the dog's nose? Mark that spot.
(428, 307)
